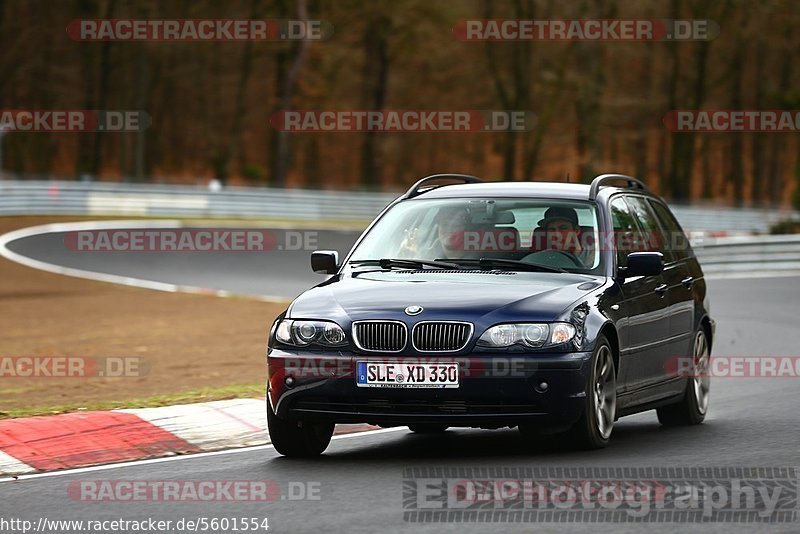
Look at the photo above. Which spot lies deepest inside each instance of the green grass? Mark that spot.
(187, 397)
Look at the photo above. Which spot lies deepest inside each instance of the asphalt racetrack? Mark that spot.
(279, 273)
(358, 485)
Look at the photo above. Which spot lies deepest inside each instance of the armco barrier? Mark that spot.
(118, 199)
(749, 254)
(726, 255)
(101, 199)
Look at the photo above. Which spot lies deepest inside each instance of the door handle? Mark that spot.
(687, 282)
(661, 290)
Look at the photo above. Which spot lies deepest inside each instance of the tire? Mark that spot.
(593, 429)
(427, 428)
(298, 439)
(692, 409)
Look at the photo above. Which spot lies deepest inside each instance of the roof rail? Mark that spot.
(603, 179)
(419, 187)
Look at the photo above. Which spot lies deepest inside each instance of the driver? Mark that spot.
(563, 233)
(448, 241)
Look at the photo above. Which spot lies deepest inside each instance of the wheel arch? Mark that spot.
(609, 331)
(705, 324)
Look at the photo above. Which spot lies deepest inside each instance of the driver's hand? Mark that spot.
(409, 245)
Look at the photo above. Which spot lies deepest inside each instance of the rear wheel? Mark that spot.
(593, 429)
(427, 428)
(298, 438)
(691, 410)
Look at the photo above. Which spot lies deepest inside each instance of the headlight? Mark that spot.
(533, 335)
(304, 333)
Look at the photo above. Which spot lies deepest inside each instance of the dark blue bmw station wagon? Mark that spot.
(556, 308)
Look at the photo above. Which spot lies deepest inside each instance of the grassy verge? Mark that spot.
(195, 347)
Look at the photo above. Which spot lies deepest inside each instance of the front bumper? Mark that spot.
(494, 390)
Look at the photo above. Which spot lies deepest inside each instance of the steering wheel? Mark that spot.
(576, 262)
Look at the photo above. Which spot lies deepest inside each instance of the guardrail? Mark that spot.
(118, 199)
(102, 199)
(749, 254)
(719, 256)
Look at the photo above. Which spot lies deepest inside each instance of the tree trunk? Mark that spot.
(102, 94)
(376, 78)
(514, 88)
(288, 65)
(737, 145)
(758, 173)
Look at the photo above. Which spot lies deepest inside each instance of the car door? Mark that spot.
(644, 306)
(682, 287)
(675, 294)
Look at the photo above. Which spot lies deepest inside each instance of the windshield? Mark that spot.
(467, 231)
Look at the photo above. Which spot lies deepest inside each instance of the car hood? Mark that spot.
(487, 296)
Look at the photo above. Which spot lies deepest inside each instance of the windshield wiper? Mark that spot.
(493, 263)
(388, 263)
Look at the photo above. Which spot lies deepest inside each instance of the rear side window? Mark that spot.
(653, 238)
(677, 242)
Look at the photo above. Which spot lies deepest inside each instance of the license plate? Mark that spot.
(406, 375)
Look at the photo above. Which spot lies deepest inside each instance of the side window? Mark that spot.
(677, 242)
(624, 229)
(652, 238)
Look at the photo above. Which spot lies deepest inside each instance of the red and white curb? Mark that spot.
(81, 439)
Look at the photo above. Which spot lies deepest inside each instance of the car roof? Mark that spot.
(557, 190)
(510, 189)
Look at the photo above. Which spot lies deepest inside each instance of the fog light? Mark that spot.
(542, 387)
(289, 381)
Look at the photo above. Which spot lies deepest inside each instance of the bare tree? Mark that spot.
(288, 61)
(511, 79)
(375, 88)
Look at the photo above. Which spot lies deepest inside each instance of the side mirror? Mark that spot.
(325, 261)
(643, 264)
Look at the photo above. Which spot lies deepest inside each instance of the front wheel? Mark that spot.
(691, 410)
(300, 439)
(593, 429)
